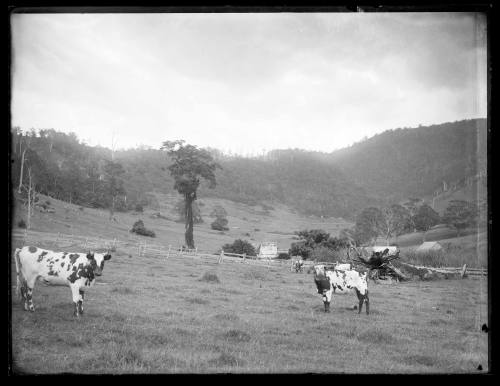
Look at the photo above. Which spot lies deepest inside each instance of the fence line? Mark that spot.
(146, 249)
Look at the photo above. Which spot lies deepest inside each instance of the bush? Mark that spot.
(220, 224)
(140, 229)
(210, 277)
(139, 208)
(47, 202)
(283, 256)
(240, 247)
(21, 224)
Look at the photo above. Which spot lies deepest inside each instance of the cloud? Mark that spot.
(246, 81)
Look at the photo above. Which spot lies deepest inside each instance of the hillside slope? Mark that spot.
(254, 224)
(403, 163)
(381, 170)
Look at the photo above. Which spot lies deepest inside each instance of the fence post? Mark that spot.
(244, 258)
(168, 253)
(221, 256)
(464, 271)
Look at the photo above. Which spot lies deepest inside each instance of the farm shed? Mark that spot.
(268, 250)
(429, 246)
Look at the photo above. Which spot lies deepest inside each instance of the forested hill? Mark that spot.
(386, 168)
(400, 163)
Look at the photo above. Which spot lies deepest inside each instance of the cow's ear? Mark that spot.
(107, 256)
(90, 255)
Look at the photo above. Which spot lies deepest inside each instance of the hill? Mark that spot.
(389, 167)
(254, 224)
(402, 163)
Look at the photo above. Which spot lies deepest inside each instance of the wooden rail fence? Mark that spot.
(145, 249)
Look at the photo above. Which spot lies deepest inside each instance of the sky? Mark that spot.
(245, 83)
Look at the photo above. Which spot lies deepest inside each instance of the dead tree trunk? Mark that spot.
(22, 167)
(30, 200)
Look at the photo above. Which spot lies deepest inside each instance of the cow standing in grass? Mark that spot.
(328, 281)
(76, 270)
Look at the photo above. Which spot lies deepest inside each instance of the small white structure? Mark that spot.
(429, 246)
(268, 250)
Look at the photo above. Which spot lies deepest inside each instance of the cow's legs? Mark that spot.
(361, 298)
(24, 294)
(367, 303)
(75, 292)
(28, 294)
(327, 297)
(80, 301)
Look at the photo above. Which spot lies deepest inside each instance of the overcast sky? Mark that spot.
(249, 82)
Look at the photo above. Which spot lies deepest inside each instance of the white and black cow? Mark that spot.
(297, 265)
(76, 270)
(328, 281)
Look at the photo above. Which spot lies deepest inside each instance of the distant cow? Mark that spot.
(76, 270)
(327, 281)
(297, 265)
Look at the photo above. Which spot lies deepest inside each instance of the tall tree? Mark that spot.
(113, 172)
(460, 214)
(189, 164)
(397, 220)
(425, 219)
(412, 206)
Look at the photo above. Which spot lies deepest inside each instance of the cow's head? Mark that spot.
(319, 270)
(97, 261)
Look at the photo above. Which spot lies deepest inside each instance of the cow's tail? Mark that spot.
(18, 264)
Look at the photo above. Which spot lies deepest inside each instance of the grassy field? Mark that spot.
(183, 315)
(251, 223)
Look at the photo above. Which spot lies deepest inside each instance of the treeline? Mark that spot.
(376, 172)
(413, 215)
(61, 166)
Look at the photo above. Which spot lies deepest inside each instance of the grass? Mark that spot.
(182, 315)
(446, 258)
(181, 324)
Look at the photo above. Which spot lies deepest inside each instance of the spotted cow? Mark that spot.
(76, 270)
(328, 281)
(297, 265)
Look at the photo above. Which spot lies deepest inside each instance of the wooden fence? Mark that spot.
(145, 249)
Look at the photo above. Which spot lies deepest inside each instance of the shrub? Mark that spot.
(210, 277)
(47, 202)
(21, 224)
(140, 229)
(219, 224)
(240, 247)
(284, 256)
(139, 208)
